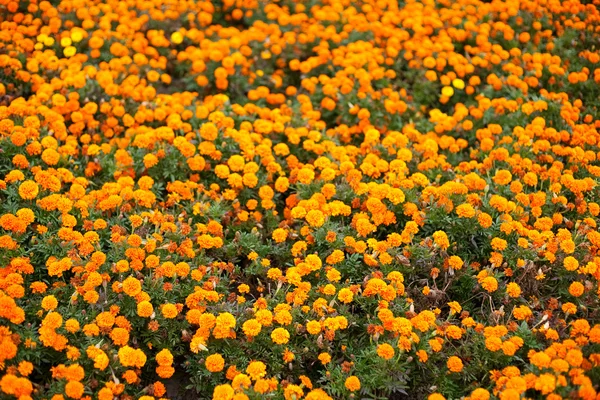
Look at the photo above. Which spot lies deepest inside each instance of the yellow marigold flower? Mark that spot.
(513, 290)
(345, 295)
(28, 190)
(280, 336)
(568, 246)
(490, 284)
(498, 244)
(306, 175)
(130, 357)
(280, 235)
(293, 392)
(223, 392)
(571, 263)
(176, 37)
(315, 218)
(458, 83)
(241, 381)
(132, 286)
(480, 394)
(455, 307)
(282, 184)
(169, 311)
(455, 262)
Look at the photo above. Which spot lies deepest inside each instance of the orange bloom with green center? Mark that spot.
(164, 357)
(441, 239)
(465, 211)
(49, 303)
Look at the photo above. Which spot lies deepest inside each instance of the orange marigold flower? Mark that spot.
(436, 396)
(498, 244)
(251, 327)
(502, 177)
(215, 363)
(454, 364)
(145, 309)
(256, 370)
(169, 311)
(385, 351)
(352, 383)
(455, 262)
(132, 286)
(576, 289)
(313, 327)
(164, 357)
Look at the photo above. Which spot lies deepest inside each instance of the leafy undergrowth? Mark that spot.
(313, 199)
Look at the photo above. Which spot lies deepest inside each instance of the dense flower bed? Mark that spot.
(320, 199)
